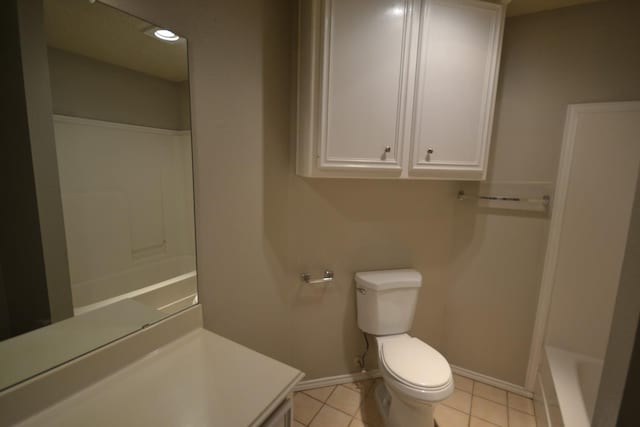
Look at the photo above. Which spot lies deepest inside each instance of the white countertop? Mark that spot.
(201, 379)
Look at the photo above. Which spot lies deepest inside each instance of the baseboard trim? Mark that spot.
(504, 385)
(375, 373)
(336, 380)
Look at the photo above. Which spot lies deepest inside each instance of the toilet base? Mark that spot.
(399, 411)
(383, 401)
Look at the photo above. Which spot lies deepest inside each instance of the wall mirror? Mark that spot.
(111, 247)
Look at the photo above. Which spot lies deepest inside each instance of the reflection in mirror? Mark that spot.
(120, 129)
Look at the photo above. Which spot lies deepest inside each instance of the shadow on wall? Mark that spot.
(277, 76)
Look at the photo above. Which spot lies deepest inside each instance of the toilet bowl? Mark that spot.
(415, 375)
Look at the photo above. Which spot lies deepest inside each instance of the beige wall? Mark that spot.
(579, 54)
(361, 225)
(585, 53)
(491, 300)
(259, 225)
(84, 87)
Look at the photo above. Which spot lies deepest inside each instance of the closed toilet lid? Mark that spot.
(413, 362)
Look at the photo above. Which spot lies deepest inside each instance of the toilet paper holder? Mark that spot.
(327, 277)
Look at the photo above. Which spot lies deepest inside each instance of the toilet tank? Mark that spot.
(386, 300)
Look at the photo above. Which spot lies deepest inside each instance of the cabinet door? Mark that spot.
(457, 67)
(363, 84)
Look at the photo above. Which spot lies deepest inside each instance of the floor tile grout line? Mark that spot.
(457, 410)
(493, 401)
(314, 417)
(453, 407)
(488, 422)
(483, 419)
(323, 405)
(308, 395)
(507, 405)
(371, 389)
(338, 409)
(493, 424)
(523, 412)
(315, 398)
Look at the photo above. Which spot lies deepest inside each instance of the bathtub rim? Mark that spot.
(563, 365)
(105, 302)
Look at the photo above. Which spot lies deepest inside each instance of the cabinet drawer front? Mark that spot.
(456, 79)
(363, 84)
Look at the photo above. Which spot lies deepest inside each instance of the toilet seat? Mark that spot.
(417, 368)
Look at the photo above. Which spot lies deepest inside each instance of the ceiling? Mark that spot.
(106, 34)
(523, 7)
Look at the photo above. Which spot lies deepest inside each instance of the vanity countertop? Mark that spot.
(201, 379)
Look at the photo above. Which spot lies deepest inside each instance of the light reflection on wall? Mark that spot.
(396, 11)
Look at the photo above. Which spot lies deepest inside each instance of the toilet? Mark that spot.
(416, 376)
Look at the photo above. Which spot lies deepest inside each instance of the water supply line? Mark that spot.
(362, 359)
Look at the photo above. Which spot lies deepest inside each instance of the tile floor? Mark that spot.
(472, 404)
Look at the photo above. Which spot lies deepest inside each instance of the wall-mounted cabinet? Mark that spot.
(397, 89)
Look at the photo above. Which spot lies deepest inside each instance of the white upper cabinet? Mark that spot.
(358, 80)
(396, 89)
(456, 76)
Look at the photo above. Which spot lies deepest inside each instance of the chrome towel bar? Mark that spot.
(544, 200)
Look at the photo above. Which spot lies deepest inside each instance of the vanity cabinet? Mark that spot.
(198, 379)
(397, 89)
(282, 416)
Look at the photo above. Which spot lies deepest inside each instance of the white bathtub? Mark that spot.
(167, 285)
(567, 389)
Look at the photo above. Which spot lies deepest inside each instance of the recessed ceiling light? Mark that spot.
(166, 35)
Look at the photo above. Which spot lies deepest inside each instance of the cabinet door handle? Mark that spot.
(387, 149)
(429, 153)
